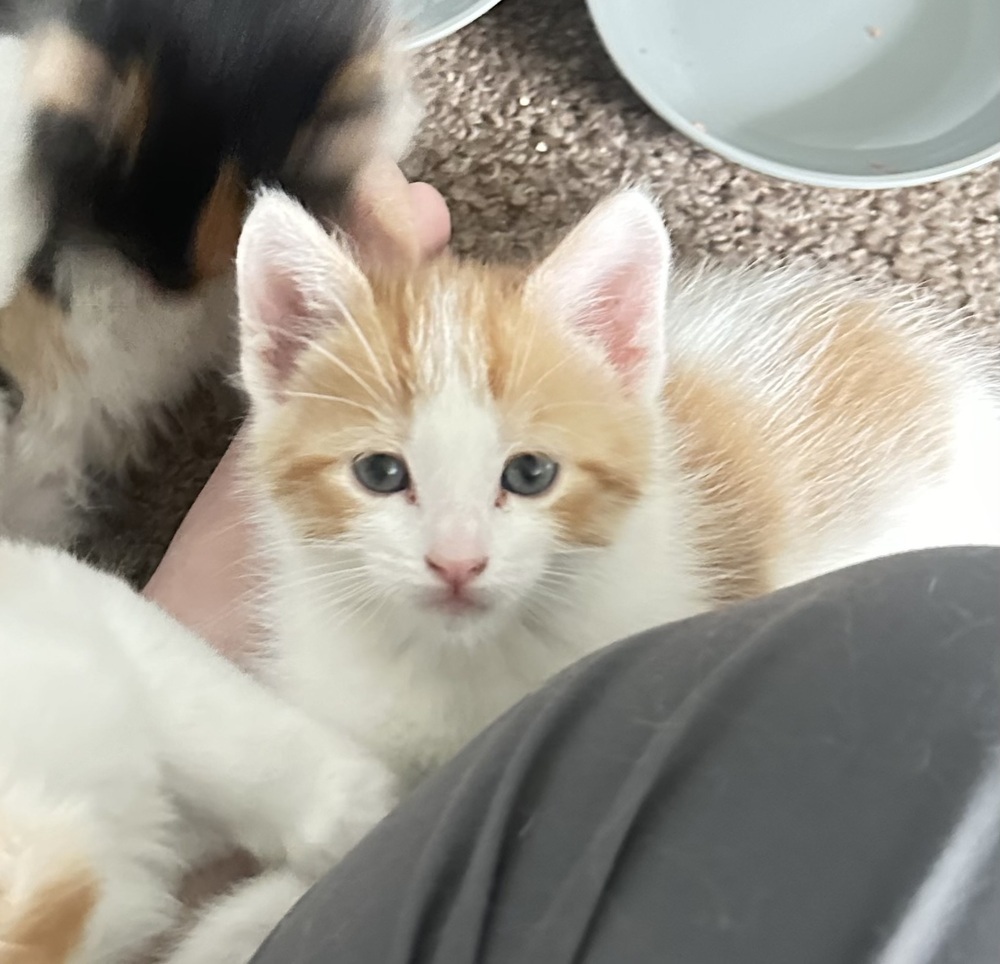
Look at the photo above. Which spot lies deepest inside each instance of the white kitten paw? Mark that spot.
(346, 799)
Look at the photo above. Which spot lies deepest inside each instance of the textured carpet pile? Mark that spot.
(528, 125)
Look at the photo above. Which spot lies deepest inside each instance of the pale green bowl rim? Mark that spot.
(765, 165)
(448, 27)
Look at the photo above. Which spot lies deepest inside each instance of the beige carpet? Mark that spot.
(529, 123)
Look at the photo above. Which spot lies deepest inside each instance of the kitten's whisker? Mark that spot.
(365, 344)
(525, 351)
(333, 590)
(554, 590)
(336, 587)
(318, 586)
(347, 370)
(332, 571)
(552, 406)
(374, 610)
(331, 568)
(336, 398)
(350, 602)
(572, 549)
(564, 360)
(364, 602)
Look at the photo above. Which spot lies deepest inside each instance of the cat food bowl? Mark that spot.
(847, 94)
(432, 20)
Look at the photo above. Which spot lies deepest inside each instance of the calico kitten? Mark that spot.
(468, 477)
(130, 752)
(130, 134)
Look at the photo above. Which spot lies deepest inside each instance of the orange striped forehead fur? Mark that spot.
(356, 389)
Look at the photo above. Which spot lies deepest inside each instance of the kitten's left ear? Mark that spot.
(607, 280)
(294, 282)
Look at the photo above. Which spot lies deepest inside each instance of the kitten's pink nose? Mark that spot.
(457, 573)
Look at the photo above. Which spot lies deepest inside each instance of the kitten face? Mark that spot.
(477, 406)
(445, 438)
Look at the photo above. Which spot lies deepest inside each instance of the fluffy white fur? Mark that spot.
(127, 745)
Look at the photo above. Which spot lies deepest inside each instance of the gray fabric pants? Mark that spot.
(808, 778)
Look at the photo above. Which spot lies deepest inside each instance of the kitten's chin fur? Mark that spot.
(465, 623)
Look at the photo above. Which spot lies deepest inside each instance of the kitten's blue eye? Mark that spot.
(529, 474)
(382, 473)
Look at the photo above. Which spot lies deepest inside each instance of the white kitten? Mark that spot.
(129, 753)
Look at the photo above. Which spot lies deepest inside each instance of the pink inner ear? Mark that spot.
(619, 316)
(290, 324)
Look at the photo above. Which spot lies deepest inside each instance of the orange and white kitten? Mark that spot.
(469, 477)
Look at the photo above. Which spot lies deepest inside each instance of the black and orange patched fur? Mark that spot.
(133, 133)
(153, 118)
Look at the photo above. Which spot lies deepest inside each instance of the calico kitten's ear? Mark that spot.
(608, 281)
(294, 282)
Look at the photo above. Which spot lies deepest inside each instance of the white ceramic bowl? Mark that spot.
(433, 20)
(838, 93)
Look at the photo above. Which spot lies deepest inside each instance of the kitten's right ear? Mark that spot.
(294, 281)
(607, 282)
